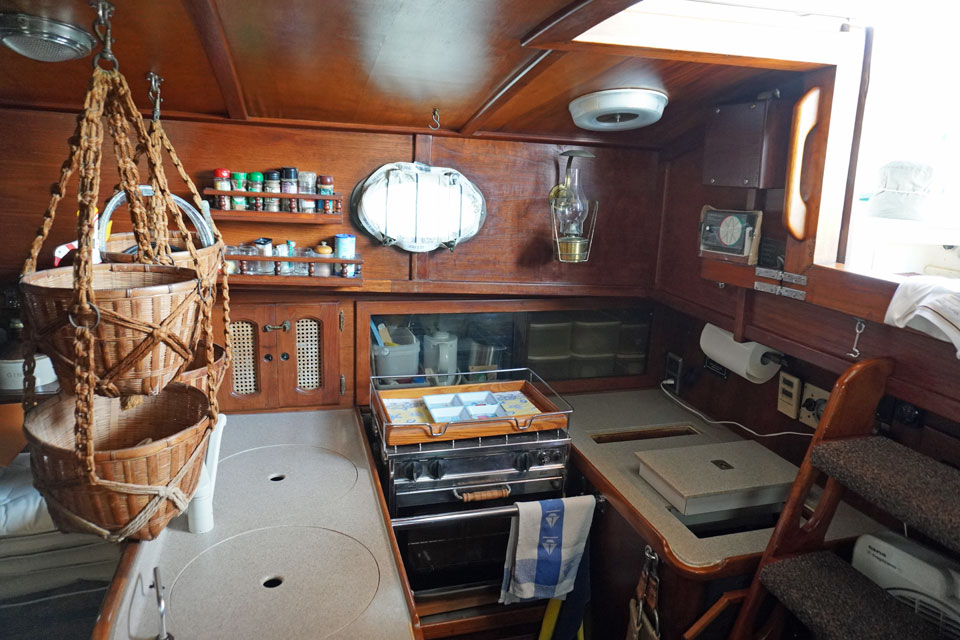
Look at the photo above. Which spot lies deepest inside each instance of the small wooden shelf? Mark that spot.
(281, 217)
(244, 277)
(261, 280)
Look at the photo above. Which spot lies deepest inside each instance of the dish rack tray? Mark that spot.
(529, 404)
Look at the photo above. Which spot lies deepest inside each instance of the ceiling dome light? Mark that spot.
(44, 39)
(618, 109)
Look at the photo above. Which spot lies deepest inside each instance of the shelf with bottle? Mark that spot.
(316, 270)
(287, 217)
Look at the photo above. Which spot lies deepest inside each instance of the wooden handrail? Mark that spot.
(805, 118)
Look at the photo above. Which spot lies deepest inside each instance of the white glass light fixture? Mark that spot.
(573, 221)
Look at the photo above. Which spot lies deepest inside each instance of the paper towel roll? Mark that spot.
(743, 358)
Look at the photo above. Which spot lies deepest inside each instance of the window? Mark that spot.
(905, 217)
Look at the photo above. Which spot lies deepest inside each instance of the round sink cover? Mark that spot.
(267, 485)
(277, 582)
(418, 207)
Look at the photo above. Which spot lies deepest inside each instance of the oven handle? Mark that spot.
(508, 511)
(488, 494)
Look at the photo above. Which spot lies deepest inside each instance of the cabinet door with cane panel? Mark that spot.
(308, 354)
(284, 355)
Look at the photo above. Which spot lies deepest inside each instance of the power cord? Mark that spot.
(663, 387)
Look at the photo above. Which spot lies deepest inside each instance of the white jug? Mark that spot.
(440, 356)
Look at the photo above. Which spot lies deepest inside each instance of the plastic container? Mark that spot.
(403, 359)
(548, 337)
(595, 334)
(325, 187)
(550, 367)
(289, 184)
(630, 364)
(308, 184)
(323, 269)
(255, 183)
(634, 337)
(238, 180)
(221, 182)
(591, 365)
(271, 184)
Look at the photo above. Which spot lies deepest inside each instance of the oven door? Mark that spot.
(449, 547)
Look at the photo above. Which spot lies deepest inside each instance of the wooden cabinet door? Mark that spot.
(308, 354)
(251, 382)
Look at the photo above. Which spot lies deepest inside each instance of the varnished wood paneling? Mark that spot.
(33, 145)
(678, 265)
(150, 36)
(377, 61)
(517, 242)
(542, 106)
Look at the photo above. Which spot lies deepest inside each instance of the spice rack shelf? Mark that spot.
(247, 276)
(281, 217)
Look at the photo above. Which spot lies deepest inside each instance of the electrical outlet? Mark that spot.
(673, 369)
(812, 404)
(788, 395)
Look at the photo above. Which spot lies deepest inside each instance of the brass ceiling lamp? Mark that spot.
(573, 221)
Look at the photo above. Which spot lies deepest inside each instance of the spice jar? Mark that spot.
(289, 184)
(326, 188)
(221, 182)
(255, 183)
(238, 180)
(308, 184)
(271, 184)
(324, 269)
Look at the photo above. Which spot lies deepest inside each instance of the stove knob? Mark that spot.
(438, 468)
(522, 462)
(413, 470)
(543, 458)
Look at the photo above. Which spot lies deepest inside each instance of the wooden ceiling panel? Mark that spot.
(149, 36)
(387, 62)
(542, 105)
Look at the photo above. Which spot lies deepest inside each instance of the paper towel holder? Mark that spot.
(775, 356)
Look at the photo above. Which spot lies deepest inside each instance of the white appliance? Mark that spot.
(440, 356)
(923, 579)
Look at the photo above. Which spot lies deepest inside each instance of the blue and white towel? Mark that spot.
(546, 544)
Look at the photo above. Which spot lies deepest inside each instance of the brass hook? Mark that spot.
(436, 119)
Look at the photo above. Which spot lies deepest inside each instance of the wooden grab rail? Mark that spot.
(805, 118)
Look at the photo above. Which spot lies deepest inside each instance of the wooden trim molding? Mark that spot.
(394, 547)
(527, 74)
(206, 18)
(572, 20)
(114, 596)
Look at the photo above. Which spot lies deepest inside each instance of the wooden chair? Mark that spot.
(829, 596)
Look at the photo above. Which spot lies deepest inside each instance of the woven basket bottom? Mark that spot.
(174, 422)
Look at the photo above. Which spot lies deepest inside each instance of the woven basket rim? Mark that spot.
(189, 280)
(126, 453)
(219, 358)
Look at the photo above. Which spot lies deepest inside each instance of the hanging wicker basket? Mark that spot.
(146, 324)
(119, 243)
(195, 374)
(147, 461)
(119, 451)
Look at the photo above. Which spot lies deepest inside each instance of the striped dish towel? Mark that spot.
(545, 547)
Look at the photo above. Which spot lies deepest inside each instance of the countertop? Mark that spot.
(299, 548)
(611, 412)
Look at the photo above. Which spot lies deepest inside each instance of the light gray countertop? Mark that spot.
(630, 410)
(318, 529)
